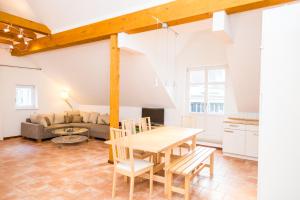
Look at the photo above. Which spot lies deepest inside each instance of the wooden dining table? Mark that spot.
(159, 140)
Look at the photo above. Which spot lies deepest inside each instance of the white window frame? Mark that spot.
(34, 98)
(188, 84)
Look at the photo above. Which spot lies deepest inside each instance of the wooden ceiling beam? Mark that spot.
(174, 13)
(11, 36)
(24, 23)
(15, 30)
(5, 41)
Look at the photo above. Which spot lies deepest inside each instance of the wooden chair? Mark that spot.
(125, 164)
(189, 122)
(145, 124)
(129, 127)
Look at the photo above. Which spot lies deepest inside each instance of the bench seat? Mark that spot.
(190, 165)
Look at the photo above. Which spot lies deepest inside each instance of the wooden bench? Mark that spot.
(189, 166)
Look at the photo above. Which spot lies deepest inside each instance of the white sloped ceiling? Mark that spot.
(84, 69)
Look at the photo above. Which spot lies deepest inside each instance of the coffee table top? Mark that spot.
(70, 131)
(69, 139)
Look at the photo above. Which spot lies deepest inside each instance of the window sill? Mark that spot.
(209, 114)
(27, 108)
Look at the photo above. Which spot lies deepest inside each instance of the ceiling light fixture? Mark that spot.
(26, 43)
(6, 29)
(20, 35)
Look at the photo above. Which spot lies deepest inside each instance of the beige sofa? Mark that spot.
(39, 131)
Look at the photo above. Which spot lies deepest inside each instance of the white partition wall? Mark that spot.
(279, 154)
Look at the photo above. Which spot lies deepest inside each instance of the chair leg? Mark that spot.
(154, 159)
(131, 188)
(158, 158)
(114, 184)
(187, 180)
(126, 179)
(151, 181)
(180, 151)
(170, 178)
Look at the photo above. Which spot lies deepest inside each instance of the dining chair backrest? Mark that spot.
(128, 126)
(145, 124)
(122, 152)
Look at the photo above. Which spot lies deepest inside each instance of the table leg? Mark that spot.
(194, 140)
(167, 163)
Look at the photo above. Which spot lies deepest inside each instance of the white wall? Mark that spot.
(243, 57)
(202, 49)
(242, 61)
(279, 155)
(48, 93)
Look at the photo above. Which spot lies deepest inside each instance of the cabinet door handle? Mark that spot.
(228, 131)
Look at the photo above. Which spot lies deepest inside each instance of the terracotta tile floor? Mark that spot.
(43, 171)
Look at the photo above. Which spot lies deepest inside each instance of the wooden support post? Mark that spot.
(114, 85)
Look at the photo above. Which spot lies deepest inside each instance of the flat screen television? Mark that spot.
(157, 115)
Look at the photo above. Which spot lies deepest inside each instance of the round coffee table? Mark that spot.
(70, 135)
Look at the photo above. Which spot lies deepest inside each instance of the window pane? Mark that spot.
(25, 96)
(197, 98)
(197, 107)
(216, 98)
(216, 75)
(197, 76)
(197, 91)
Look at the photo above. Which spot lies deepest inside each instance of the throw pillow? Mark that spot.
(76, 119)
(73, 112)
(85, 116)
(68, 119)
(45, 122)
(50, 117)
(93, 117)
(103, 119)
(59, 118)
(35, 118)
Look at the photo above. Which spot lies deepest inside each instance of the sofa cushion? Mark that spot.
(45, 122)
(59, 118)
(72, 112)
(82, 125)
(68, 119)
(76, 119)
(50, 117)
(57, 126)
(85, 116)
(93, 117)
(37, 118)
(103, 119)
